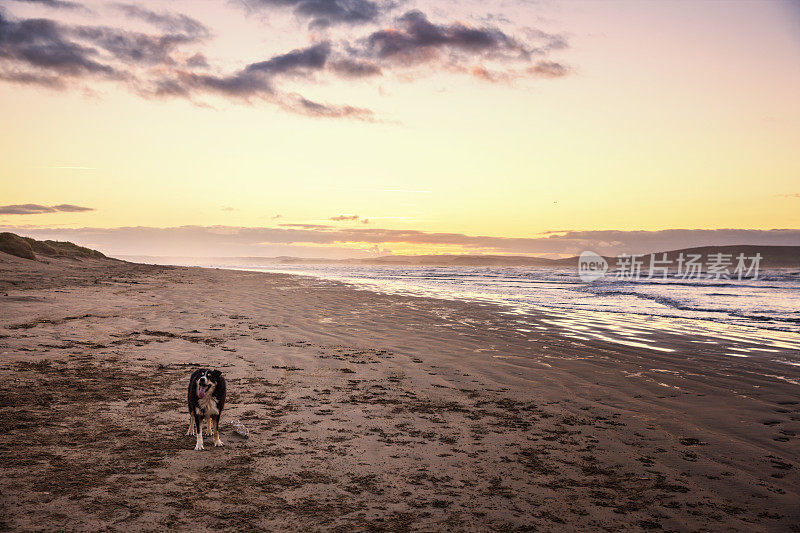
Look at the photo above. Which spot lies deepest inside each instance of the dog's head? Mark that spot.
(207, 382)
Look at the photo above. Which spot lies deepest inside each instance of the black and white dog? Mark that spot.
(206, 400)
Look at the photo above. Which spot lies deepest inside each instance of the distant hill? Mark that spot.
(28, 248)
(772, 257)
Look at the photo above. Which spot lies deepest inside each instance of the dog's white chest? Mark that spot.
(207, 406)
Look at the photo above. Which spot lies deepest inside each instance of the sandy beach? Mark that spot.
(368, 412)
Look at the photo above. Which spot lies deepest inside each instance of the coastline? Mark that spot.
(370, 411)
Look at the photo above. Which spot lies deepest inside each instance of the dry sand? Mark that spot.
(367, 412)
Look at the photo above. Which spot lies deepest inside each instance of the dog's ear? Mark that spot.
(215, 375)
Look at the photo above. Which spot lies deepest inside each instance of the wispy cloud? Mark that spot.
(35, 209)
(47, 52)
(324, 13)
(414, 38)
(169, 61)
(56, 4)
(306, 226)
(171, 22)
(350, 218)
(232, 240)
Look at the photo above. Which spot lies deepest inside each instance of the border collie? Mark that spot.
(206, 400)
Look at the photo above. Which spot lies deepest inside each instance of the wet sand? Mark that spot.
(368, 412)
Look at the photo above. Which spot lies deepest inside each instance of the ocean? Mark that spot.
(760, 315)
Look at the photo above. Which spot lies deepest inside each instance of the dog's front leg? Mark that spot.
(199, 425)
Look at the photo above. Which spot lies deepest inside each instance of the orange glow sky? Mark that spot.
(667, 115)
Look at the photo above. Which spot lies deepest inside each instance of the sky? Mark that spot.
(351, 128)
